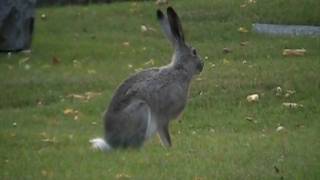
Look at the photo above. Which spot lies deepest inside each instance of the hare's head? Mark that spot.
(185, 57)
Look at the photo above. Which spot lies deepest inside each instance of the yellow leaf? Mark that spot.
(243, 30)
(68, 111)
(225, 61)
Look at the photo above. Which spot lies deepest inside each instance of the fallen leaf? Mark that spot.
(138, 70)
(225, 61)
(144, 28)
(243, 5)
(244, 43)
(243, 30)
(162, 2)
(92, 71)
(48, 140)
(212, 65)
(199, 178)
(126, 44)
(250, 119)
(23, 60)
(293, 52)
(292, 105)
(90, 95)
(280, 128)
(227, 50)
(278, 91)
(55, 60)
(77, 96)
(123, 176)
(85, 97)
(289, 93)
(70, 111)
(253, 98)
(27, 66)
(150, 62)
(43, 16)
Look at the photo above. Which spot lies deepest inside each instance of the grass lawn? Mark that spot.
(44, 132)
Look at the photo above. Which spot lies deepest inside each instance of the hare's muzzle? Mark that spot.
(200, 66)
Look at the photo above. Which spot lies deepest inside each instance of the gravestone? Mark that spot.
(291, 30)
(16, 24)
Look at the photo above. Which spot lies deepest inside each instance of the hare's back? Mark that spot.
(127, 89)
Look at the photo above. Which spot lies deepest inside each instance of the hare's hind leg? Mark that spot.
(128, 128)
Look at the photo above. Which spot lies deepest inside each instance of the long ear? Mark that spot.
(175, 25)
(164, 23)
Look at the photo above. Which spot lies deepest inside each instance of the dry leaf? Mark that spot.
(43, 16)
(278, 91)
(251, 119)
(280, 128)
(143, 28)
(252, 1)
(77, 96)
(49, 140)
(162, 2)
(27, 66)
(212, 65)
(92, 71)
(227, 50)
(253, 98)
(70, 111)
(225, 61)
(243, 30)
(23, 60)
(293, 52)
(126, 44)
(138, 70)
(151, 62)
(90, 95)
(244, 43)
(55, 60)
(292, 105)
(289, 93)
(123, 176)
(243, 5)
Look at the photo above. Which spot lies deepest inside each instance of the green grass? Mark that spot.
(213, 140)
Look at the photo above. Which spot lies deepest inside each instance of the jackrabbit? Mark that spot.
(146, 102)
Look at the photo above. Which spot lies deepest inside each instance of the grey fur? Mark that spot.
(156, 95)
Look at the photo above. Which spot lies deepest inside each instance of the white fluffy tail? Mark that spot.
(100, 144)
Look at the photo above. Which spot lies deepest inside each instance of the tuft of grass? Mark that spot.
(220, 135)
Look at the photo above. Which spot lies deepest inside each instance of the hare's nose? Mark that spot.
(200, 66)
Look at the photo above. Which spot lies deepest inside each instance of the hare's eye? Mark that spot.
(194, 51)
